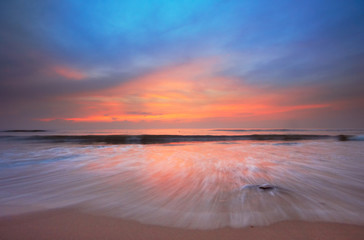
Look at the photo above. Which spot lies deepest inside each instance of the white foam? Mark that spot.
(202, 185)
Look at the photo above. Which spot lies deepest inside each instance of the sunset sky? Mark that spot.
(181, 64)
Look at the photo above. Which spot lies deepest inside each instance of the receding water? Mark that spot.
(190, 185)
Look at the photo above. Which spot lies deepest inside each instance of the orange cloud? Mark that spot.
(188, 92)
(69, 73)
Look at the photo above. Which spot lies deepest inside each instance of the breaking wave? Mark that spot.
(160, 139)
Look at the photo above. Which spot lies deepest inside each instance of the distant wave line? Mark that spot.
(285, 130)
(160, 139)
(23, 131)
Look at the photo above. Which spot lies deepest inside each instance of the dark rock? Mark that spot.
(262, 187)
(266, 187)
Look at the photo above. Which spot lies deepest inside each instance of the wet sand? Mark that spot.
(73, 224)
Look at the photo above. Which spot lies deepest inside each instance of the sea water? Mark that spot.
(188, 184)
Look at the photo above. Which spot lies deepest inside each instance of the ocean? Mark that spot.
(187, 178)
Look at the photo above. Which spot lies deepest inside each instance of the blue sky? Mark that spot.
(267, 45)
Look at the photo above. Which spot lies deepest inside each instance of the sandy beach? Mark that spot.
(72, 224)
(181, 120)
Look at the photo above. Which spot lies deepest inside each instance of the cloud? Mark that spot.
(187, 92)
(77, 60)
(69, 73)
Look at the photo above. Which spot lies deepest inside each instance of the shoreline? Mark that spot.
(73, 224)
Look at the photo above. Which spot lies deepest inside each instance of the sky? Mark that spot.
(78, 64)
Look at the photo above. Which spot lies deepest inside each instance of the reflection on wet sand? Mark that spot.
(204, 185)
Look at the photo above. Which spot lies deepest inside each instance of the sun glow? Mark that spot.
(189, 92)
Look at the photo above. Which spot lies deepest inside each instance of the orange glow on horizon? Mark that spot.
(188, 92)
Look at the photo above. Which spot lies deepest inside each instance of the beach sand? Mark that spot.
(72, 224)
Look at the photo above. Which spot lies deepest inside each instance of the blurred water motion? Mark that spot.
(189, 185)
